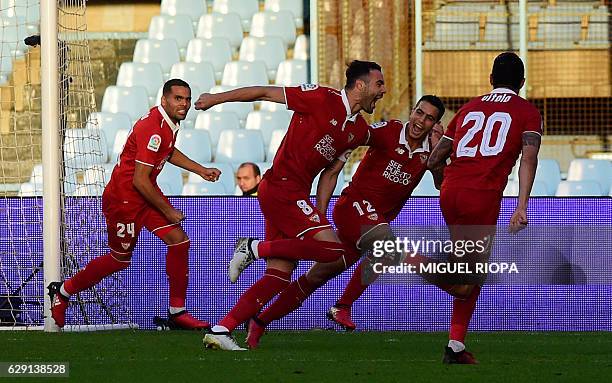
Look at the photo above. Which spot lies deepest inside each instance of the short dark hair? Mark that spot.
(435, 101)
(174, 82)
(252, 165)
(358, 70)
(508, 70)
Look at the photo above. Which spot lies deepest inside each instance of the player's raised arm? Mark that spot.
(437, 158)
(327, 184)
(246, 94)
(179, 159)
(142, 183)
(527, 171)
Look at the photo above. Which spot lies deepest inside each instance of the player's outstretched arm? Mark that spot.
(327, 184)
(527, 171)
(142, 183)
(246, 94)
(179, 159)
(440, 154)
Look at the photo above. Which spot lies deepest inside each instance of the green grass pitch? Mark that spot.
(314, 356)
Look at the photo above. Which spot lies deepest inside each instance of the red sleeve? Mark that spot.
(377, 133)
(533, 122)
(148, 140)
(452, 126)
(305, 98)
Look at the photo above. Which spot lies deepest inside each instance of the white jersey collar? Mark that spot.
(172, 125)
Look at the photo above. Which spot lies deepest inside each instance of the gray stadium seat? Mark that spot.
(579, 189)
(244, 8)
(236, 146)
(163, 52)
(133, 101)
(220, 25)
(215, 122)
(214, 50)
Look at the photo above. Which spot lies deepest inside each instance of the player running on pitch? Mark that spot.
(133, 200)
(327, 125)
(391, 169)
(485, 137)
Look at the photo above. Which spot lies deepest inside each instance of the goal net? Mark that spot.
(82, 154)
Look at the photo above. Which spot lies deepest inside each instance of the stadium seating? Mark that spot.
(85, 147)
(170, 180)
(266, 122)
(264, 167)
(241, 109)
(340, 185)
(293, 6)
(547, 172)
(274, 107)
(177, 27)
(244, 8)
(204, 188)
(236, 146)
(120, 139)
(133, 101)
(227, 178)
(191, 8)
(28, 189)
(270, 50)
(579, 189)
(599, 171)
(215, 122)
(302, 48)
(426, 188)
(200, 75)
(215, 50)
(219, 25)
(163, 52)
(12, 32)
(539, 189)
(109, 123)
(244, 73)
(98, 174)
(292, 73)
(276, 138)
(149, 76)
(278, 24)
(195, 144)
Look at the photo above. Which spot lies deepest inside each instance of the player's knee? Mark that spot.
(377, 233)
(122, 257)
(461, 291)
(175, 237)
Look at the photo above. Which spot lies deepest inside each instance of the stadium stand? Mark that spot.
(201, 188)
(178, 27)
(271, 50)
(293, 6)
(109, 123)
(579, 189)
(237, 146)
(244, 8)
(215, 50)
(191, 8)
(278, 24)
(215, 122)
(266, 122)
(198, 74)
(195, 144)
(227, 177)
(149, 76)
(163, 52)
(219, 25)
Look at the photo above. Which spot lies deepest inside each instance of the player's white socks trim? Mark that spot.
(218, 328)
(456, 346)
(254, 245)
(175, 310)
(64, 292)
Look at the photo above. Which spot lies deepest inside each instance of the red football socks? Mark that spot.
(301, 249)
(93, 273)
(355, 287)
(256, 297)
(288, 300)
(462, 313)
(177, 269)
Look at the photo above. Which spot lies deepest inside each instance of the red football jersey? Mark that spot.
(321, 130)
(487, 139)
(389, 171)
(150, 142)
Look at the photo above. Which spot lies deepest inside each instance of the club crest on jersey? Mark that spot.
(400, 151)
(351, 137)
(373, 216)
(154, 143)
(333, 122)
(307, 87)
(378, 124)
(423, 158)
(315, 218)
(125, 245)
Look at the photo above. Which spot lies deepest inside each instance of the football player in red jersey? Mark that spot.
(485, 138)
(133, 200)
(327, 125)
(391, 169)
